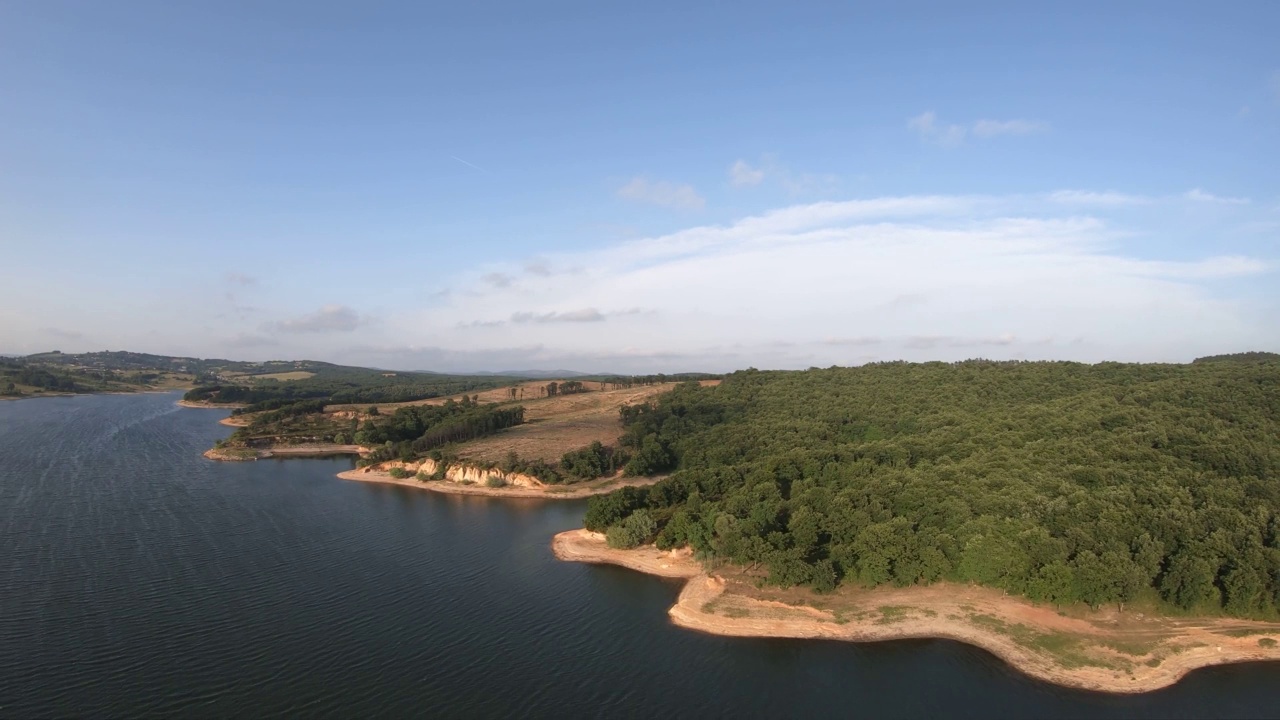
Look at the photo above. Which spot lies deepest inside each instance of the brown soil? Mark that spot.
(1105, 651)
(546, 492)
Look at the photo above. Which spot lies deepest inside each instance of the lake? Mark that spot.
(140, 579)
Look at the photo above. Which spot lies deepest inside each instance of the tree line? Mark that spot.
(411, 432)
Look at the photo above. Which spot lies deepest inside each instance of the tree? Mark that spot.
(634, 531)
(1054, 583)
(1188, 583)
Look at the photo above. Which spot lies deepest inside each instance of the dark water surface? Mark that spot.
(137, 578)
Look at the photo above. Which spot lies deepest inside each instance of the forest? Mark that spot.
(340, 385)
(1062, 482)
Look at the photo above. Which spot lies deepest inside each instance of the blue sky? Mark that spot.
(643, 187)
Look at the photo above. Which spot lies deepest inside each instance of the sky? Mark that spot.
(640, 187)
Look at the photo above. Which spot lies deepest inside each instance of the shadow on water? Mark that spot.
(141, 579)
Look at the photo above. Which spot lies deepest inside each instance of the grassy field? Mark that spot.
(556, 425)
(285, 376)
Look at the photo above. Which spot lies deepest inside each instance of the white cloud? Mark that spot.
(915, 277)
(926, 125)
(572, 316)
(662, 193)
(992, 128)
(330, 318)
(1102, 199)
(743, 175)
(1199, 195)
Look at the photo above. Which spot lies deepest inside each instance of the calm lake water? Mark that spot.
(138, 578)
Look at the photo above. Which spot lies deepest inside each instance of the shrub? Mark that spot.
(422, 476)
(1266, 642)
(495, 481)
(399, 473)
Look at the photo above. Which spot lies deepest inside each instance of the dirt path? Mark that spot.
(1105, 651)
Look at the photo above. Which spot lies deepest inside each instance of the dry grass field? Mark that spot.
(556, 425)
(553, 425)
(285, 376)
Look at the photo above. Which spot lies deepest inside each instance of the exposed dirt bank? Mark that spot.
(1103, 651)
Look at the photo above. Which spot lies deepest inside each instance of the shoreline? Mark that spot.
(545, 492)
(204, 405)
(250, 454)
(1105, 658)
(37, 396)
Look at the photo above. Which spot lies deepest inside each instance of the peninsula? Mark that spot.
(1104, 651)
(553, 439)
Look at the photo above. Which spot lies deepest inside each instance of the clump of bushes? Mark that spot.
(495, 481)
(399, 473)
(1266, 642)
(636, 530)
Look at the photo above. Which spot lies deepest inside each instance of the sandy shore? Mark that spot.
(210, 405)
(1104, 651)
(239, 454)
(589, 547)
(549, 492)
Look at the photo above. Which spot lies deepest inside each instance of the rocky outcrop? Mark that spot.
(464, 474)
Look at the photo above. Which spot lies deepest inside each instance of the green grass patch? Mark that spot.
(1137, 648)
(1067, 650)
(1245, 632)
(892, 614)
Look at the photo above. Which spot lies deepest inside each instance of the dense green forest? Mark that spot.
(1063, 482)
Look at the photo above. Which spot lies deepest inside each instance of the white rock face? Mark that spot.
(467, 473)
